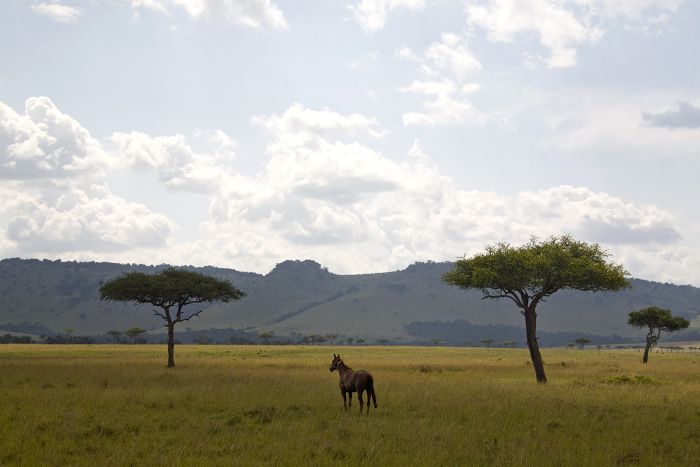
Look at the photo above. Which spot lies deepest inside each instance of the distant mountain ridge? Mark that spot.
(302, 297)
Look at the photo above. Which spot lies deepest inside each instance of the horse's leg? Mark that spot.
(369, 399)
(359, 397)
(345, 406)
(350, 399)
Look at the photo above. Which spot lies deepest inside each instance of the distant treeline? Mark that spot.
(464, 333)
(461, 332)
(13, 339)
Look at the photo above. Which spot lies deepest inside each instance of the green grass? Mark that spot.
(275, 405)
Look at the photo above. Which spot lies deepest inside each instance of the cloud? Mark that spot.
(686, 116)
(444, 70)
(557, 28)
(561, 25)
(600, 217)
(614, 122)
(356, 210)
(251, 13)
(57, 12)
(299, 123)
(45, 142)
(371, 15)
(618, 230)
(453, 55)
(178, 165)
(90, 219)
(631, 10)
(323, 193)
(53, 192)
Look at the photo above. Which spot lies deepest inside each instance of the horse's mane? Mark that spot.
(347, 367)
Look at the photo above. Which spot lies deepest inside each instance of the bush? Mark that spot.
(624, 379)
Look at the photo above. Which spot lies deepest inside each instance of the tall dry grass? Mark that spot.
(277, 405)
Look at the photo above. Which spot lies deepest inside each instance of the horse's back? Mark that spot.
(363, 378)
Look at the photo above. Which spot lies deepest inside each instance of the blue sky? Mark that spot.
(365, 134)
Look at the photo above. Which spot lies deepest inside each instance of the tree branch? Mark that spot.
(157, 313)
(504, 295)
(518, 301)
(189, 317)
(186, 302)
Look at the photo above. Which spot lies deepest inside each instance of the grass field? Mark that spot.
(277, 405)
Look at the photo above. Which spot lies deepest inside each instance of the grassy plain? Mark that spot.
(278, 405)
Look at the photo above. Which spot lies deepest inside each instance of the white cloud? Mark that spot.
(177, 164)
(58, 12)
(251, 13)
(561, 25)
(83, 219)
(444, 68)
(444, 109)
(558, 28)
(355, 210)
(298, 123)
(54, 198)
(452, 54)
(371, 15)
(325, 194)
(635, 10)
(44, 142)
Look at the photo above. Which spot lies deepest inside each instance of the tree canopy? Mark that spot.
(169, 288)
(530, 273)
(538, 269)
(657, 319)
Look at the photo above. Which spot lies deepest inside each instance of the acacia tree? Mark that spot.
(656, 320)
(171, 290)
(266, 336)
(530, 273)
(488, 341)
(115, 335)
(581, 342)
(133, 333)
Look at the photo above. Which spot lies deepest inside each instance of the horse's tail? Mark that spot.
(370, 391)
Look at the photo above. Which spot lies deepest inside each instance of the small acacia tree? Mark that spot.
(530, 273)
(488, 341)
(581, 342)
(656, 320)
(115, 335)
(171, 290)
(133, 333)
(266, 336)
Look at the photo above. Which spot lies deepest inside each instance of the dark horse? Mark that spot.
(354, 381)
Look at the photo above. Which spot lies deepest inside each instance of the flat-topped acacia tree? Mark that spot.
(656, 320)
(530, 273)
(171, 290)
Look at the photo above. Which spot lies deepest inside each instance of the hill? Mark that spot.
(302, 297)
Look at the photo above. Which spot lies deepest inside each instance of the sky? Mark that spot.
(363, 134)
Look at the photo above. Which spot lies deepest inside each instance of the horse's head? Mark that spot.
(336, 361)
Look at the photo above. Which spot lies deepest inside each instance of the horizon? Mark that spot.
(367, 134)
(321, 265)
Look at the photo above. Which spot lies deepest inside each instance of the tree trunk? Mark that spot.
(532, 345)
(646, 351)
(171, 344)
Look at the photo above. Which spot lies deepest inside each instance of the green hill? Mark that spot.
(302, 297)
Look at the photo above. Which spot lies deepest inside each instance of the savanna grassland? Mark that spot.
(279, 405)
